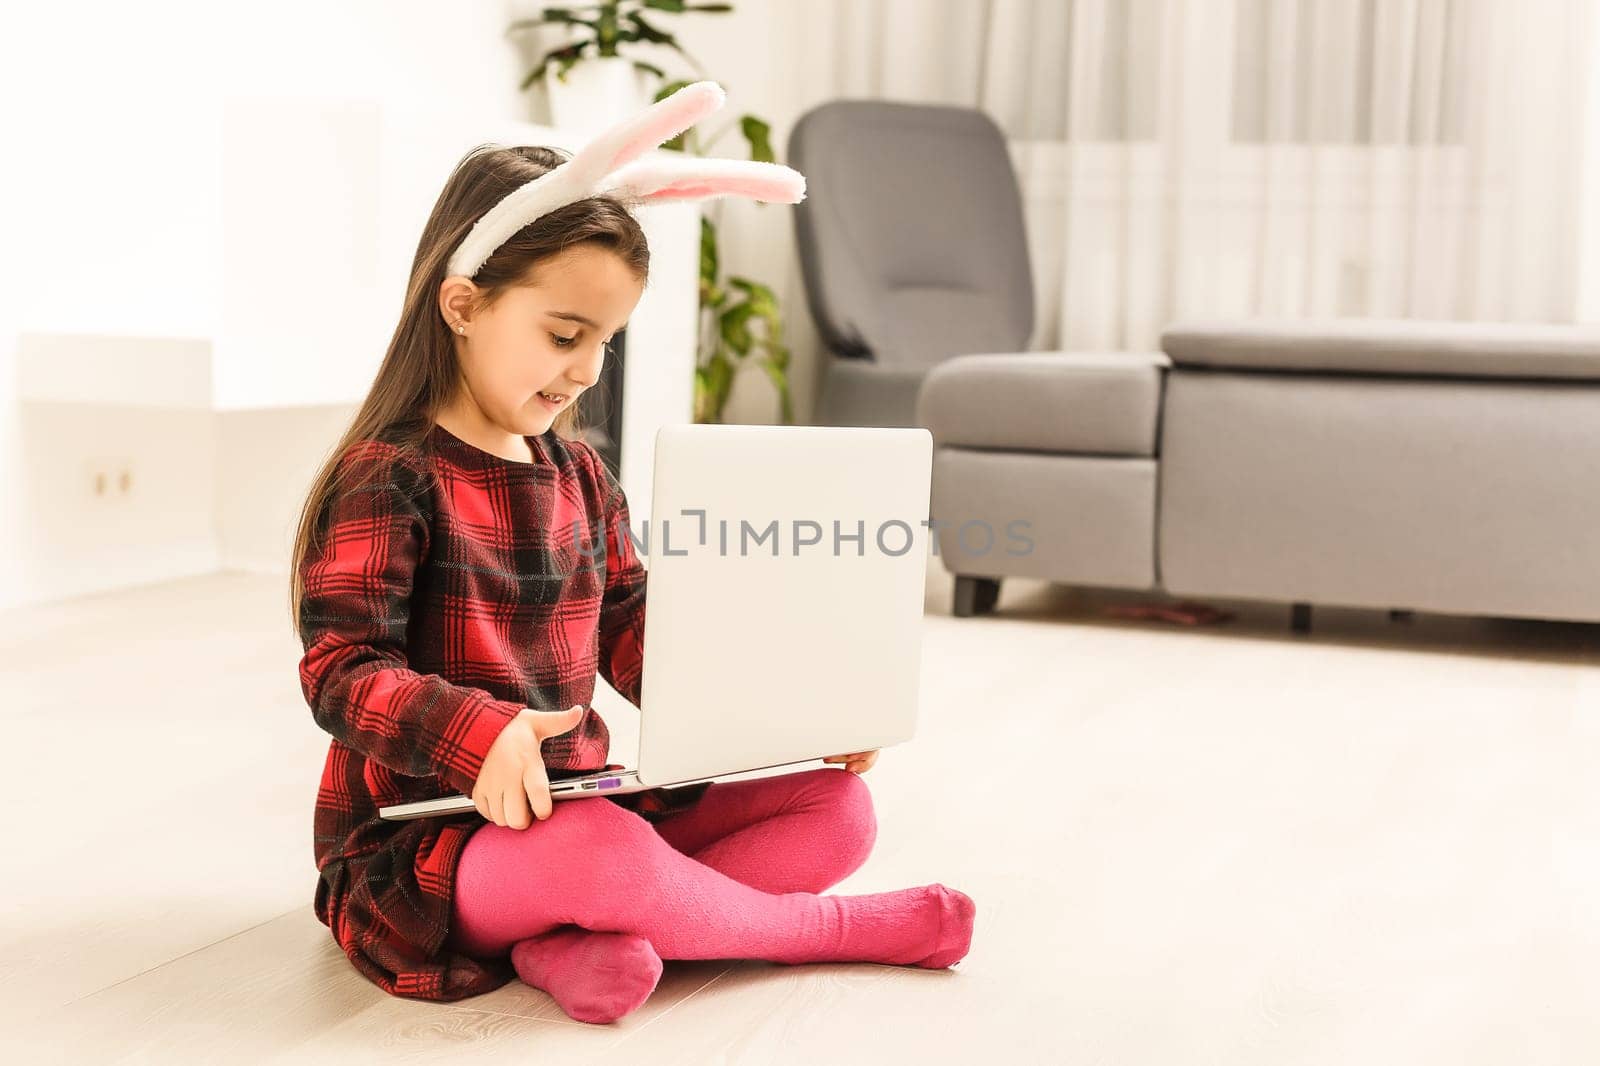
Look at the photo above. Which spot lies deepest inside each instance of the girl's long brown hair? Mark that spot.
(419, 374)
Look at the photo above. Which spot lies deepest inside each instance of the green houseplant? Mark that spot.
(602, 27)
(741, 323)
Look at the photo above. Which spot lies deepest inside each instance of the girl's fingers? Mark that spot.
(536, 787)
(516, 807)
(548, 724)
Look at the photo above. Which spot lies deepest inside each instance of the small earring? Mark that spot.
(460, 328)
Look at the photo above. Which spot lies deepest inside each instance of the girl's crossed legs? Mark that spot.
(798, 832)
(594, 896)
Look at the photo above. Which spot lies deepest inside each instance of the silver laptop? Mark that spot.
(784, 614)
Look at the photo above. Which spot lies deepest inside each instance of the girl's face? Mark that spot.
(529, 356)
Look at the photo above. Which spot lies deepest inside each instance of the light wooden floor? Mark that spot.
(1377, 844)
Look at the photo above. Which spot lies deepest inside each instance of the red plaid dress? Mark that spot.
(448, 592)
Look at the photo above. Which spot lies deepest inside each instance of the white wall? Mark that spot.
(161, 525)
(265, 459)
(1589, 228)
(112, 212)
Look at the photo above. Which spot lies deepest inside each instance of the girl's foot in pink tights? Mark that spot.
(595, 977)
(954, 939)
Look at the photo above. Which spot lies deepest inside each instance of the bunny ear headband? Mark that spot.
(606, 166)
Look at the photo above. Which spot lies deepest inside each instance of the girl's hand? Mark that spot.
(857, 762)
(512, 776)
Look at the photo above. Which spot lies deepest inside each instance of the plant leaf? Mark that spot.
(566, 63)
(708, 253)
(655, 36)
(668, 89)
(573, 50)
(649, 32)
(702, 393)
(718, 378)
(555, 16)
(735, 328)
(760, 296)
(780, 379)
(759, 134)
(649, 68)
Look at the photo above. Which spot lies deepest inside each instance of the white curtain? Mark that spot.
(1295, 158)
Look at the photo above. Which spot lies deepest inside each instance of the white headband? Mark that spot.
(605, 166)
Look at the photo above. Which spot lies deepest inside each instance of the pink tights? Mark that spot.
(738, 875)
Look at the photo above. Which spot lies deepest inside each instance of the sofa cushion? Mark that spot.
(1069, 518)
(1086, 403)
(861, 392)
(1389, 346)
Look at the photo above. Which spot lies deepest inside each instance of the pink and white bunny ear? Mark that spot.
(692, 178)
(606, 164)
(648, 130)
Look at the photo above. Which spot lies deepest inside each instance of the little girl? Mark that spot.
(455, 605)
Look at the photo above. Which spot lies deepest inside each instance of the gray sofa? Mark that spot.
(1402, 465)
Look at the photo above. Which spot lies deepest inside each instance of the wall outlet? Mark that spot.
(111, 479)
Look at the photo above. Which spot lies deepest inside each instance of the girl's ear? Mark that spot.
(456, 297)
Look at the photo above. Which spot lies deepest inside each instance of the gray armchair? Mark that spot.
(912, 247)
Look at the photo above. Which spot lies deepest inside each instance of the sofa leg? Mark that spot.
(1300, 618)
(988, 595)
(975, 595)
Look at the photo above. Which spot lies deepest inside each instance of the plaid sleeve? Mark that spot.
(352, 622)
(622, 603)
